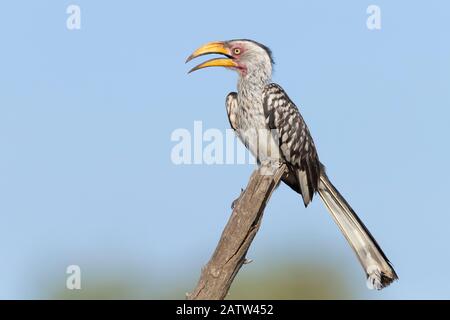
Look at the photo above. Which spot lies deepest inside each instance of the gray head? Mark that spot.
(247, 57)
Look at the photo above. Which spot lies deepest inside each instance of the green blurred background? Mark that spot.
(292, 280)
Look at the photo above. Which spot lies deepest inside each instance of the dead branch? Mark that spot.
(229, 256)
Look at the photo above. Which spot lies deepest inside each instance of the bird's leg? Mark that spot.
(235, 201)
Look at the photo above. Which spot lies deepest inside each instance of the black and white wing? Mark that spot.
(295, 142)
(232, 106)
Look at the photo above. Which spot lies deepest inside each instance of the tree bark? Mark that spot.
(229, 256)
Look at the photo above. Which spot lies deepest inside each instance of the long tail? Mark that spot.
(377, 267)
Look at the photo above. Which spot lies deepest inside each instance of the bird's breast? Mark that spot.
(254, 131)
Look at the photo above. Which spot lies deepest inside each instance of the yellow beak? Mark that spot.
(213, 48)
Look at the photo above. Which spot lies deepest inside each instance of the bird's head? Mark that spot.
(245, 56)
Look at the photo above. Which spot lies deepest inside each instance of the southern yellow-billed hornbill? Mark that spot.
(259, 105)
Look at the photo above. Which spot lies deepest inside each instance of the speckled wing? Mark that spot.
(295, 142)
(232, 106)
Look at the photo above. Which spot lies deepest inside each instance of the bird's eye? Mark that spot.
(237, 51)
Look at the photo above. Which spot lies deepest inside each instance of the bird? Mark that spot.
(259, 105)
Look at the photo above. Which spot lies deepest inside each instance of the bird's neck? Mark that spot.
(251, 85)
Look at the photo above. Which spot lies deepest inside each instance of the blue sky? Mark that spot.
(86, 117)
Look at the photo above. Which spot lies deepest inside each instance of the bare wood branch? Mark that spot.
(229, 256)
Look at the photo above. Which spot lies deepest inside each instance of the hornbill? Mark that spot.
(259, 105)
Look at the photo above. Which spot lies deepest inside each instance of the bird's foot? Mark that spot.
(269, 166)
(235, 201)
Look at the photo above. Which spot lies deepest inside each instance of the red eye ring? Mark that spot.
(237, 51)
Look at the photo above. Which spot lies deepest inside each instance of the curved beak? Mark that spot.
(213, 48)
